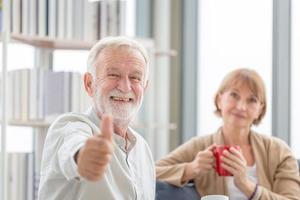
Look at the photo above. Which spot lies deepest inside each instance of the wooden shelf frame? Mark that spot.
(48, 43)
(34, 124)
(46, 124)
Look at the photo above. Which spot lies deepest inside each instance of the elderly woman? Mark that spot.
(263, 167)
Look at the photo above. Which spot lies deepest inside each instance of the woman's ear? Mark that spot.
(88, 84)
(219, 96)
(261, 107)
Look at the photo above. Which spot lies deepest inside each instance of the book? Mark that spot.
(66, 91)
(24, 94)
(16, 16)
(121, 23)
(52, 18)
(19, 176)
(75, 92)
(103, 19)
(33, 94)
(78, 21)
(112, 18)
(1, 15)
(90, 21)
(33, 22)
(41, 93)
(25, 17)
(61, 19)
(69, 19)
(53, 94)
(42, 17)
(17, 95)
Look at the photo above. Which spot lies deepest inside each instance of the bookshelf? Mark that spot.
(48, 37)
(47, 26)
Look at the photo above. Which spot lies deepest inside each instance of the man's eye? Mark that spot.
(136, 79)
(113, 75)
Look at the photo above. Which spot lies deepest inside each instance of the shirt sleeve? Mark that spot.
(75, 135)
(286, 179)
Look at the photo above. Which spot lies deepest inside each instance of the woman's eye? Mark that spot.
(233, 94)
(253, 100)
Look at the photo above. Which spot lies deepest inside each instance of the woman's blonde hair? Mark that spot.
(249, 78)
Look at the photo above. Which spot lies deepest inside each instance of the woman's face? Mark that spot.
(239, 106)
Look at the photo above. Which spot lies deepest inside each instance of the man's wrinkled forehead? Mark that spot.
(116, 57)
(121, 49)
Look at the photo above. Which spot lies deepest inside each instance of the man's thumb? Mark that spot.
(107, 126)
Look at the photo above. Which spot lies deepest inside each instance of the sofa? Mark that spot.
(166, 191)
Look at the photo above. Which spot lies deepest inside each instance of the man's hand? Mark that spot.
(95, 155)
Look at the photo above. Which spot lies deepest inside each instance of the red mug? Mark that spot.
(218, 152)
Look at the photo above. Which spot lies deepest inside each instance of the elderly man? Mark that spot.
(96, 155)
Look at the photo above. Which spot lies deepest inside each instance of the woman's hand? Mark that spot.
(235, 163)
(202, 163)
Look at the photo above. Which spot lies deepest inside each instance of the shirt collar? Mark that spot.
(92, 115)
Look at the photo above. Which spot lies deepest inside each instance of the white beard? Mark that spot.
(122, 113)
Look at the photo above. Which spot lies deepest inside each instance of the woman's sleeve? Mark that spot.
(171, 168)
(286, 180)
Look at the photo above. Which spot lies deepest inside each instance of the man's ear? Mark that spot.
(146, 86)
(88, 84)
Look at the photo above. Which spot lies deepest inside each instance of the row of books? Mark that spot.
(0, 15)
(39, 94)
(20, 176)
(68, 19)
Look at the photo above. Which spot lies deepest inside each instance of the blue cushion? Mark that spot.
(166, 191)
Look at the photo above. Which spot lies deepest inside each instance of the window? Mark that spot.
(70, 60)
(295, 80)
(231, 36)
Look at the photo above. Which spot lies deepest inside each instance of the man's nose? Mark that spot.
(124, 85)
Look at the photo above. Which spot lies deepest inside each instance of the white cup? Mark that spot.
(215, 197)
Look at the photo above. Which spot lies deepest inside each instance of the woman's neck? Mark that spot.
(236, 136)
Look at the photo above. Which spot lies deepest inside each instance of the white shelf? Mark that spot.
(46, 124)
(35, 124)
(48, 43)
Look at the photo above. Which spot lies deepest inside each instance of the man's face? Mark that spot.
(120, 83)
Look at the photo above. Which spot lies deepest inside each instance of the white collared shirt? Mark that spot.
(129, 175)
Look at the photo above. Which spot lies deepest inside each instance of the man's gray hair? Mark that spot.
(115, 42)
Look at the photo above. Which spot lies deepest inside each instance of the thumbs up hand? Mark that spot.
(95, 155)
